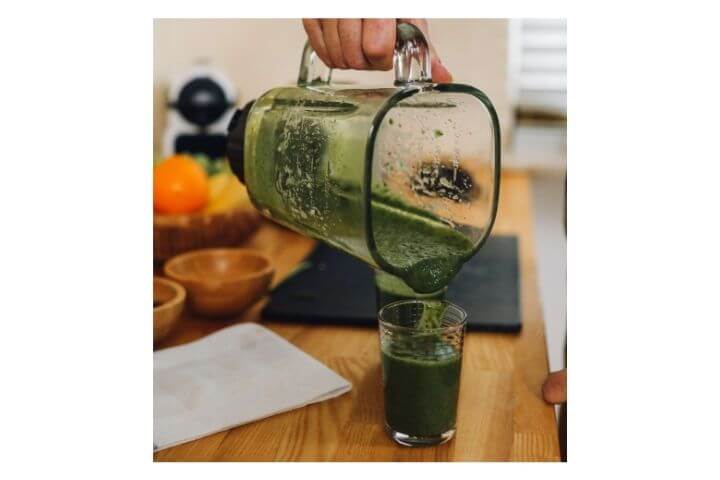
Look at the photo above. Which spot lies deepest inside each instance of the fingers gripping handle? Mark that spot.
(411, 60)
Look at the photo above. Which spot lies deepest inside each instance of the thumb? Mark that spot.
(440, 74)
(555, 387)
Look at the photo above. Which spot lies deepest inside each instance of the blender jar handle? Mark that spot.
(411, 60)
(412, 56)
(312, 70)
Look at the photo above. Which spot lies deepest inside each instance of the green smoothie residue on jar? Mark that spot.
(304, 164)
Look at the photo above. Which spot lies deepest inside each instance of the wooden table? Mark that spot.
(501, 414)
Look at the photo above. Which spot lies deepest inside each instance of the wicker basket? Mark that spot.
(175, 234)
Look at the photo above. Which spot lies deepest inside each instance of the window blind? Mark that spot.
(538, 62)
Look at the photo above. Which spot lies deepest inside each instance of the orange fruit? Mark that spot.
(179, 186)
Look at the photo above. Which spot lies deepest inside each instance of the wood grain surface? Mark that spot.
(501, 415)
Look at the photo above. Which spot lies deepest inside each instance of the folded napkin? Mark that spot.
(232, 377)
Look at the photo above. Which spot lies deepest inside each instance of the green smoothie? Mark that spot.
(427, 252)
(389, 288)
(421, 394)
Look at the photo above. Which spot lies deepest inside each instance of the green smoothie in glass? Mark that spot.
(421, 350)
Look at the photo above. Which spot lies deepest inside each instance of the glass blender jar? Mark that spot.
(403, 177)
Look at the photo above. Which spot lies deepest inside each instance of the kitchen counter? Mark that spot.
(501, 414)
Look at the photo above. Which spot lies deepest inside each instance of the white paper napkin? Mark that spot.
(232, 377)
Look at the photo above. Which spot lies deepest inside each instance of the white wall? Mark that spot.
(260, 54)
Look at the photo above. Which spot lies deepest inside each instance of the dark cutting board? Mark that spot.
(332, 287)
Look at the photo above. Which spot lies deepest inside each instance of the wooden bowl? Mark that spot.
(222, 281)
(169, 297)
(176, 234)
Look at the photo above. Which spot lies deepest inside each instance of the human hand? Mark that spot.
(364, 43)
(555, 387)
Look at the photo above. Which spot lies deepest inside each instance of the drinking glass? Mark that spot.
(421, 344)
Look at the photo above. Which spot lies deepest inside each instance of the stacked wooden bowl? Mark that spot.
(176, 234)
